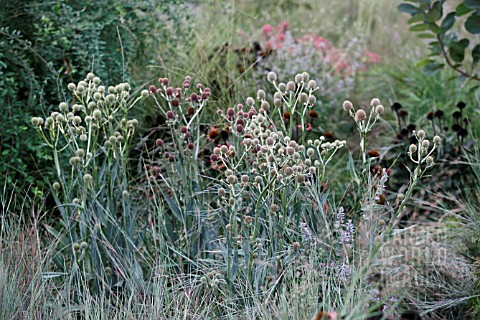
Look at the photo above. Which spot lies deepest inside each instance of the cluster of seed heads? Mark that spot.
(422, 151)
(93, 109)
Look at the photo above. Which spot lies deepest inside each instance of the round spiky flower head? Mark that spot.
(291, 86)
(261, 94)
(271, 76)
(360, 115)
(437, 140)
(87, 178)
(375, 102)
(250, 101)
(412, 148)
(347, 105)
(421, 134)
(379, 109)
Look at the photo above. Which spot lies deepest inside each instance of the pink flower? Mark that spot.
(282, 27)
(267, 29)
(372, 57)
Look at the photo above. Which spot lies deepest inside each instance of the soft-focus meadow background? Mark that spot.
(195, 159)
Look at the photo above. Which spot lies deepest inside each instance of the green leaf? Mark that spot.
(462, 9)
(175, 209)
(472, 24)
(476, 54)
(432, 68)
(435, 12)
(417, 18)
(426, 36)
(472, 4)
(456, 50)
(448, 22)
(408, 8)
(351, 168)
(434, 28)
(419, 27)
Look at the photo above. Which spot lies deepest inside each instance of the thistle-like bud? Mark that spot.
(56, 186)
(232, 179)
(97, 114)
(80, 153)
(375, 102)
(347, 105)
(379, 109)
(429, 160)
(261, 94)
(291, 86)
(412, 148)
(87, 178)
(250, 101)
(360, 115)
(437, 140)
(63, 106)
(271, 76)
(421, 134)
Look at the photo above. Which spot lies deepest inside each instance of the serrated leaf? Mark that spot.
(476, 54)
(472, 4)
(419, 27)
(408, 8)
(462, 9)
(472, 24)
(448, 22)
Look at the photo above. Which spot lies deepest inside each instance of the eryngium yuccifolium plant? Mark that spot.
(93, 130)
(268, 180)
(364, 121)
(175, 169)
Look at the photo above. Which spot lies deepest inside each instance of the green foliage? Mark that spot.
(429, 21)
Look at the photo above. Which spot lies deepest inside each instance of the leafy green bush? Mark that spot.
(429, 20)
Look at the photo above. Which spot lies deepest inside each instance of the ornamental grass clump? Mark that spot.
(97, 229)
